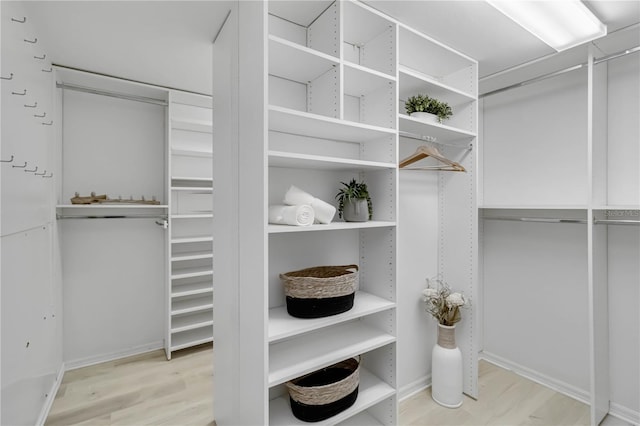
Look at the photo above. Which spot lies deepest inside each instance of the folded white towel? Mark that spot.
(291, 215)
(324, 211)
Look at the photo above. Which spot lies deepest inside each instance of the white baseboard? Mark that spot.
(44, 413)
(623, 413)
(557, 385)
(414, 387)
(92, 360)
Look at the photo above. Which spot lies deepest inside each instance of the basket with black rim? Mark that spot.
(326, 392)
(320, 291)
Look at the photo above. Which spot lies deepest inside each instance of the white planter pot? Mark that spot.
(446, 369)
(426, 117)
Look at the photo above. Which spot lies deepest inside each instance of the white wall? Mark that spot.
(30, 293)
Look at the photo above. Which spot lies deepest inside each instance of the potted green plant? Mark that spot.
(354, 202)
(420, 105)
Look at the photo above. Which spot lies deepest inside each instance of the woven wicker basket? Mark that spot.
(325, 393)
(320, 291)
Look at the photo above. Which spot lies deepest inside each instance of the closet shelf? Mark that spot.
(295, 357)
(196, 189)
(193, 255)
(191, 322)
(192, 289)
(189, 338)
(186, 240)
(281, 229)
(441, 132)
(192, 216)
(306, 161)
(191, 179)
(360, 81)
(191, 153)
(177, 274)
(371, 391)
(282, 325)
(179, 307)
(617, 207)
(414, 82)
(296, 62)
(192, 125)
(290, 121)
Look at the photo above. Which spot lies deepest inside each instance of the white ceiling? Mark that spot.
(168, 43)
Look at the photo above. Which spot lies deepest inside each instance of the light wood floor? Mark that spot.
(148, 390)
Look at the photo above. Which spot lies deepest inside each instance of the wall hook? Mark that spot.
(49, 70)
(7, 78)
(31, 171)
(35, 104)
(20, 167)
(24, 92)
(50, 175)
(7, 161)
(24, 19)
(40, 57)
(41, 174)
(44, 114)
(34, 41)
(47, 124)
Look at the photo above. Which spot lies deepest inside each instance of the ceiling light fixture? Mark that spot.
(561, 24)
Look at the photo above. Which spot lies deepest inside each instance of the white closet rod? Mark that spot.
(536, 219)
(431, 139)
(112, 94)
(560, 72)
(616, 222)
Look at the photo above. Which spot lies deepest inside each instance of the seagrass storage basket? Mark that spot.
(325, 393)
(320, 291)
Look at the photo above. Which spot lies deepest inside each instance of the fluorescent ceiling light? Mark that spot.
(561, 24)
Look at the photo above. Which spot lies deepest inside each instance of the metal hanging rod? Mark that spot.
(535, 219)
(123, 216)
(112, 94)
(616, 222)
(563, 71)
(432, 139)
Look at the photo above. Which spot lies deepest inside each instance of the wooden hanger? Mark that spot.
(425, 151)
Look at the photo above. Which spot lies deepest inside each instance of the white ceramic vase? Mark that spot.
(446, 369)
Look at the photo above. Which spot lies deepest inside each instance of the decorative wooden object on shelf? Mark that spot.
(104, 199)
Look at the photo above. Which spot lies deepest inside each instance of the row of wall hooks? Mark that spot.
(20, 21)
(26, 170)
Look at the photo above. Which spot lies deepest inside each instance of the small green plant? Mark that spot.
(423, 103)
(353, 191)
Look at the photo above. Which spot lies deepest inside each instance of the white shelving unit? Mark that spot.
(328, 116)
(190, 257)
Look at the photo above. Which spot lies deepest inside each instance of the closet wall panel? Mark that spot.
(535, 300)
(113, 288)
(623, 131)
(624, 316)
(534, 139)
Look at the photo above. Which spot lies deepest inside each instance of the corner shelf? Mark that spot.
(301, 355)
(294, 122)
(297, 63)
(282, 325)
(413, 82)
(441, 132)
(371, 391)
(306, 161)
(333, 226)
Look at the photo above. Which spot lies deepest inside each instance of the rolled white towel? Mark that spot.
(324, 211)
(291, 215)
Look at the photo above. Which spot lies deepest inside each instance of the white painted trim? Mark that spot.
(556, 385)
(623, 413)
(414, 387)
(92, 360)
(51, 396)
